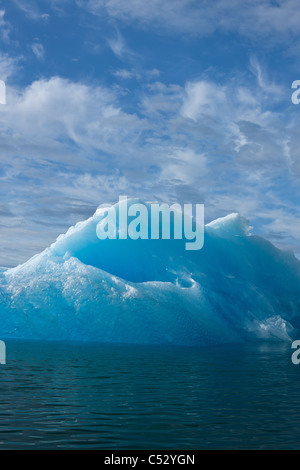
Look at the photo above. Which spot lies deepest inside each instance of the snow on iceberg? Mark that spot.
(238, 287)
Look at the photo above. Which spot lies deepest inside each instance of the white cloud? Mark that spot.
(4, 25)
(184, 165)
(31, 9)
(136, 74)
(68, 146)
(162, 98)
(8, 66)
(38, 50)
(203, 98)
(119, 47)
(67, 115)
(254, 18)
(267, 86)
(125, 74)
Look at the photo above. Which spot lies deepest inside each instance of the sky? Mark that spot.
(183, 101)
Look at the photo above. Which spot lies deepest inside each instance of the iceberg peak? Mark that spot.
(232, 224)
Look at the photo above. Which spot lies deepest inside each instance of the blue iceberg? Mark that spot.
(239, 287)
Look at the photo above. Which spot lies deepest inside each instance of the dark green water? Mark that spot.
(79, 396)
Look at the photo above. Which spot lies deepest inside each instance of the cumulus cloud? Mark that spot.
(67, 147)
(70, 115)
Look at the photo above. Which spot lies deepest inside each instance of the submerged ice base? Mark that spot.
(238, 287)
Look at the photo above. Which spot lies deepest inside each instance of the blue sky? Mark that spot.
(170, 100)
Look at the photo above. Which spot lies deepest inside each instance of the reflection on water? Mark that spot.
(81, 396)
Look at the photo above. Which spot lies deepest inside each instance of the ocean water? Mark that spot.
(94, 396)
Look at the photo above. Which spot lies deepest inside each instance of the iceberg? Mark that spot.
(238, 287)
